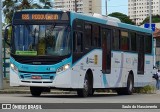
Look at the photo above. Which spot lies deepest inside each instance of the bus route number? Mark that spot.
(25, 16)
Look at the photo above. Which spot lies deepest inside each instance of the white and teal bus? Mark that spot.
(66, 50)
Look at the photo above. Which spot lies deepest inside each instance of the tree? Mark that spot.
(155, 19)
(8, 9)
(47, 4)
(124, 18)
(11, 6)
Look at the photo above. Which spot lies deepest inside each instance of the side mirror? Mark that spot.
(6, 37)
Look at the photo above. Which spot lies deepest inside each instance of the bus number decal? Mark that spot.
(25, 16)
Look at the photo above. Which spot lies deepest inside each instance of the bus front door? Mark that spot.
(106, 51)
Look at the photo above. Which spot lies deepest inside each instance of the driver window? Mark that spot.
(78, 42)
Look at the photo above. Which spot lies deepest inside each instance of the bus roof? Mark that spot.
(108, 21)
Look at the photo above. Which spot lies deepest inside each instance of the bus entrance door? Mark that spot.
(106, 51)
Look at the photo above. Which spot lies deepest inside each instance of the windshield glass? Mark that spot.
(41, 40)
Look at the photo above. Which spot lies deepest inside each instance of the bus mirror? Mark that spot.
(6, 35)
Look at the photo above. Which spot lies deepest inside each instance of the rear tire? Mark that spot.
(127, 90)
(36, 91)
(130, 85)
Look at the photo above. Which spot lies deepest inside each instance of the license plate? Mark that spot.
(36, 77)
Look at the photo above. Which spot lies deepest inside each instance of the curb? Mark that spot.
(10, 91)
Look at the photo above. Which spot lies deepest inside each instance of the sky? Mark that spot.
(116, 6)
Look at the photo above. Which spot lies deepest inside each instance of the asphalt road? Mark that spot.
(98, 98)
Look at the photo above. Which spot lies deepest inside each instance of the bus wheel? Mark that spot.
(127, 90)
(36, 91)
(130, 85)
(85, 91)
(91, 93)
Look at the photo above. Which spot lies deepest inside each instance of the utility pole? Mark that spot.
(150, 27)
(150, 15)
(1, 64)
(106, 8)
(75, 5)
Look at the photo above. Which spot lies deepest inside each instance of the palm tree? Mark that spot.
(10, 6)
(47, 3)
(8, 9)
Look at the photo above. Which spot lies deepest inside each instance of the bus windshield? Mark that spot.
(37, 40)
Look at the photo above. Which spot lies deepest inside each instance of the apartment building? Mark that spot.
(138, 10)
(83, 6)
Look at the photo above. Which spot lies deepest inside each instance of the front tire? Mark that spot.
(36, 91)
(85, 91)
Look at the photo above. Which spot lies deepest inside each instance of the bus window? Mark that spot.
(124, 41)
(148, 44)
(133, 41)
(96, 40)
(88, 35)
(78, 42)
(115, 39)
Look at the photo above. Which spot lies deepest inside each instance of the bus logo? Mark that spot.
(6, 106)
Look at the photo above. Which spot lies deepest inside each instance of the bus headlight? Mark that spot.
(63, 68)
(14, 68)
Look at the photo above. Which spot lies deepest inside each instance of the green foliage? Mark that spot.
(155, 19)
(146, 89)
(11, 6)
(47, 4)
(124, 18)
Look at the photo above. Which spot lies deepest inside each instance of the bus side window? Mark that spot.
(124, 41)
(115, 39)
(78, 42)
(88, 36)
(96, 39)
(133, 42)
(148, 44)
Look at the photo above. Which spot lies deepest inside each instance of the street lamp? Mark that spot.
(75, 5)
(150, 15)
(106, 7)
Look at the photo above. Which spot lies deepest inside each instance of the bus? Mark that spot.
(73, 51)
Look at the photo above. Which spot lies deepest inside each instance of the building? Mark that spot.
(138, 10)
(83, 6)
(156, 36)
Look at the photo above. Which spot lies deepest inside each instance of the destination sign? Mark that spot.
(39, 17)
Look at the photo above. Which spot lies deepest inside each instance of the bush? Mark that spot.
(146, 89)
